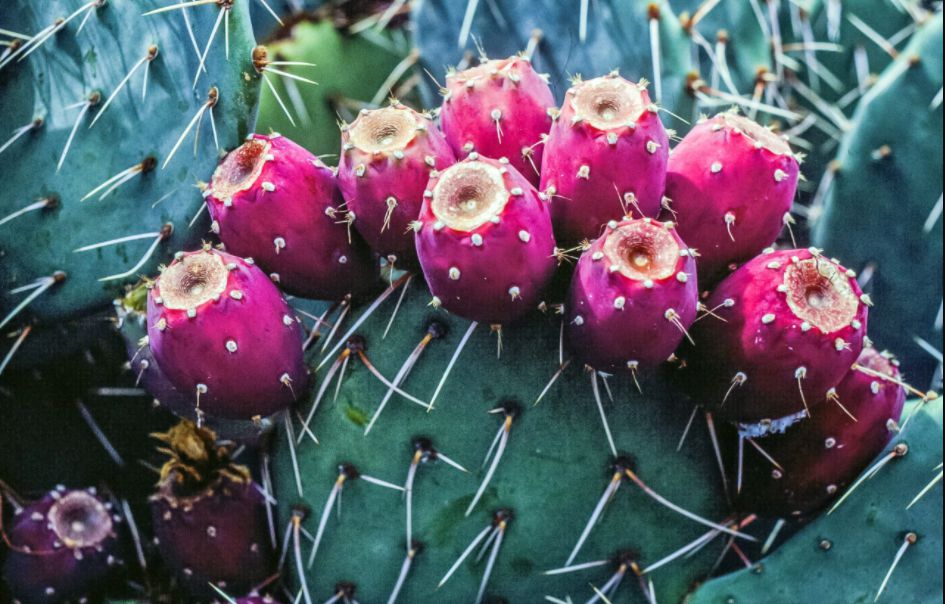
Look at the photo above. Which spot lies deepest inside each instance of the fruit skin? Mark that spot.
(613, 320)
(717, 171)
(822, 455)
(264, 373)
(209, 519)
(53, 570)
(132, 325)
(758, 335)
(501, 278)
(289, 220)
(588, 171)
(499, 109)
(235, 557)
(368, 178)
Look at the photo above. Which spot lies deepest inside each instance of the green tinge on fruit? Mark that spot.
(69, 68)
(617, 37)
(553, 472)
(880, 211)
(350, 70)
(843, 557)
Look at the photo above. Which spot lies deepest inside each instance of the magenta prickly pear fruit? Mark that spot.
(731, 183)
(633, 296)
(500, 108)
(132, 325)
(275, 202)
(485, 241)
(61, 547)
(386, 159)
(209, 516)
(821, 456)
(782, 331)
(605, 157)
(221, 332)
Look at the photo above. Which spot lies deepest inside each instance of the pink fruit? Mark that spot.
(633, 295)
(61, 547)
(605, 157)
(273, 201)
(786, 328)
(732, 183)
(209, 516)
(500, 108)
(484, 240)
(824, 454)
(221, 332)
(386, 159)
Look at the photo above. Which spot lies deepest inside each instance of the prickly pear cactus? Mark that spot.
(114, 118)
(309, 114)
(881, 542)
(554, 466)
(883, 211)
(596, 38)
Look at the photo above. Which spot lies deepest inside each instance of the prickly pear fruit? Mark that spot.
(731, 183)
(485, 241)
(633, 296)
(209, 515)
(605, 157)
(500, 108)
(275, 202)
(786, 328)
(386, 159)
(60, 547)
(132, 325)
(822, 455)
(221, 331)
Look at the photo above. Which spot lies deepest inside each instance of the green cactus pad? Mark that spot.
(843, 557)
(554, 470)
(68, 69)
(880, 212)
(350, 70)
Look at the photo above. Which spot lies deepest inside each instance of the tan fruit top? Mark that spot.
(193, 280)
(819, 292)
(607, 102)
(642, 250)
(756, 132)
(240, 168)
(386, 129)
(468, 194)
(80, 520)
